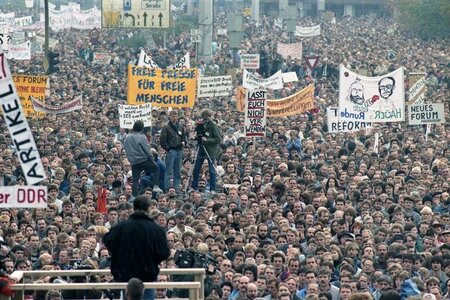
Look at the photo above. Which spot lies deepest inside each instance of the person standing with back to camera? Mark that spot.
(208, 148)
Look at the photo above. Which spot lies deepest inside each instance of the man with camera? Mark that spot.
(172, 139)
(208, 138)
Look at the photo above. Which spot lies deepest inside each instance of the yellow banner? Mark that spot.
(292, 105)
(162, 87)
(27, 86)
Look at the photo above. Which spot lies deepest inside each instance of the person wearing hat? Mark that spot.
(209, 139)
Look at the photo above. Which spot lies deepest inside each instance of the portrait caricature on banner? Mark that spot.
(371, 99)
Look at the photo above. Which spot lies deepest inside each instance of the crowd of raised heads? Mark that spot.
(301, 213)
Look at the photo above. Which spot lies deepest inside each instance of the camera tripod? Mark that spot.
(191, 170)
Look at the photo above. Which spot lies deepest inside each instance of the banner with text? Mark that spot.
(101, 58)
(129, 114)
(307, 31)
(72, 17)
(420, 114)
(251, 81)
(249, 61)
(18, 196)
(20, 52)
(162, 87)
(70, 106)
(214, 86)
(335, 125)
(293, 50)
(19, 130)
(146, 61)
(255, 117)
(417, 83)
(31, 86)
(371, 99)
(183, 63)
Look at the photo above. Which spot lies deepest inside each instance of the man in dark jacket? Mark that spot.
(137, 246)
(172, 139)
(139, 155)
(208, 149)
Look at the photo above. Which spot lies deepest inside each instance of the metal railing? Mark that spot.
(196, 287)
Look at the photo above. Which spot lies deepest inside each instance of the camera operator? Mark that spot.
(209, 138)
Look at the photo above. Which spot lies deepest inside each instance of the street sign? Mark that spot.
(311, 61)
(136, 13)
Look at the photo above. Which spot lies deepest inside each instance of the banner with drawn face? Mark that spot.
(371, 99)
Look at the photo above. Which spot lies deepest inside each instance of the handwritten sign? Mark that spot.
(432, 113)
(255, 117)
(335, 125)
(129, 114)
(214, 86)
(70, 106)
(101, 58)
(30, 86)
(162, 88)
(249, 61)
(251, 81)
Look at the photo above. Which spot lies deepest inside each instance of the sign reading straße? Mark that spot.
(162, 87)
(18, 127)
(23, 196)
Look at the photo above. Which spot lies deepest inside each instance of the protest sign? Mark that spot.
(255, 117)
(222, 31)
(293, 50)
(7, 17)
(162, 88)
(146, 61)
(420, 114)
(20, 52)
(251, 81)
(73, 17)
(23, 196)
(416, 93)
(23, 21)
(70, 106)
(335, 125)
(101, 58)
(307, 31)
(214, 86)
(249, 61)
(183, 63)
(289, 77)
(19, 130)
(34, 86)
(129, 114)
(371, 99)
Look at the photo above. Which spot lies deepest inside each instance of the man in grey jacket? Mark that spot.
(139, 155)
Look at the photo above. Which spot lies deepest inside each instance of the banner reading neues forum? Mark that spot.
(162, 87)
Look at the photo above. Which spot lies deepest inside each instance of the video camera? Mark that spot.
(200, 130)
(192, 259)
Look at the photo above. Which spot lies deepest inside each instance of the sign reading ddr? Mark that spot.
(136, 13)
(23, 196)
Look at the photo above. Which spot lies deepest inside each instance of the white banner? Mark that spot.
(420, 114)
(7, 17)
(146, 61)
(20, 52)
(129, 114)
(101, 58)
(215, 86)
(249, 61)
(251, 82)
(73, 105)
(19, 130)
(23, 196)
(289, 77)
(293, 50)
(307, 31)
(371, 99)
(335, 125)
(255, 115)
(72, 17)
(183, 63)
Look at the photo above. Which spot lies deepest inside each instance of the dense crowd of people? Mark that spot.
(299, 214)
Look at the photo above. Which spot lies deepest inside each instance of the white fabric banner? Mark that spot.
(420, 114)
(20, 52)
(215, 86)
(146, 61)
(371, 99)
(335, 125)
(23, 196)
(293, 50)
(307, 31)
(251, 82)
(19, 130)
(73, 105)
(183, 63)
(72, 17)
(256, 113)
(129, 114)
